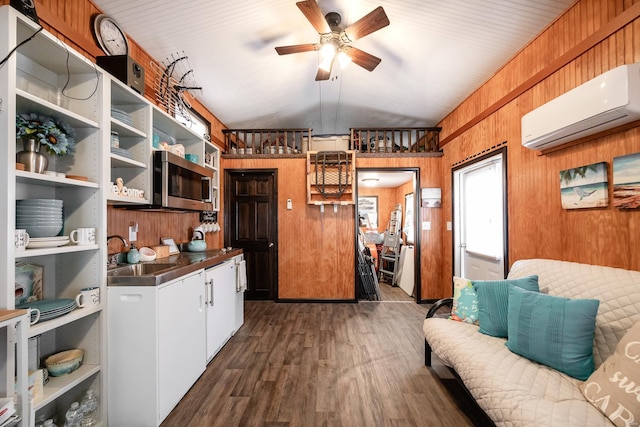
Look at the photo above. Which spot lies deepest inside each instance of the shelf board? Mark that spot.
(24, 101)
(118, 161)
(125, 130)
(51, 181)
(49, 325)
(57, 386)
(57, 250)
(8, 315)
(167, 124)
(114, 199)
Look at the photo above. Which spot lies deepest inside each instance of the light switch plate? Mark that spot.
(289, 204)
(449, 226)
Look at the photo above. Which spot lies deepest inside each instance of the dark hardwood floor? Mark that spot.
(315, 364)
(393, 293)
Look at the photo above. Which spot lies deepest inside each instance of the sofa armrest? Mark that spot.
(445, 302)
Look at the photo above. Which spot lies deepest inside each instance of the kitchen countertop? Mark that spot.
(185, 263)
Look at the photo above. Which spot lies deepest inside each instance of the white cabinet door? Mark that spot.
(221, 294)
(181, 347)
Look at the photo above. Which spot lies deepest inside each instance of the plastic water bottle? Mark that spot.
(89, 408)
(73, 417)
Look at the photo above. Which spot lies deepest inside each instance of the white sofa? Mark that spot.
(514, 391)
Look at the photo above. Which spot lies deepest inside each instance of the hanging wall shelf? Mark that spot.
(330, 177)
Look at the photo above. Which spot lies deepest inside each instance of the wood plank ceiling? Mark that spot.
(434, 54)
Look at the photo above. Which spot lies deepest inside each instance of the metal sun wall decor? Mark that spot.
(175, 84)
(585, 187)
(626, 181)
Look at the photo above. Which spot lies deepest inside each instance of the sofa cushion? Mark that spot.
(512, 390)
(493, 302)
(465, 301)
(615, 387)
(617, 289)
(555, 331)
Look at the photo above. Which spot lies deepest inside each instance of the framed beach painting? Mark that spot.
(585, 187)
(626, 181)
(368, 207)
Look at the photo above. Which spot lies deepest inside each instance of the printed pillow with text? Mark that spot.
(465, 302)
(614, 388)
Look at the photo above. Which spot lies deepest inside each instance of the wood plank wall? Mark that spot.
(316, 251)
(538, 226)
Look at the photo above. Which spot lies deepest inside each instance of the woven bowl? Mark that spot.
(64, 362)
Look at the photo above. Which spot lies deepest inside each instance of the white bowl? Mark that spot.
(39, 216)
(35, 211)
(42, 230)
(39, 202)
(147, 254)
(64, 362)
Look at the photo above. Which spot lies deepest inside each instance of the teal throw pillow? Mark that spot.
(493, 301)
(465, 302)
(555, 331)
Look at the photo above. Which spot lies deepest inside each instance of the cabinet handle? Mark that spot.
(206, 293)
(211, 293)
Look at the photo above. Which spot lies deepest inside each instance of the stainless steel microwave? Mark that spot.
(181, 184)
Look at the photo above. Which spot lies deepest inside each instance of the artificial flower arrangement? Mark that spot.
(53, 133)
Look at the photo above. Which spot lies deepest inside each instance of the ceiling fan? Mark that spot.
(336, 43)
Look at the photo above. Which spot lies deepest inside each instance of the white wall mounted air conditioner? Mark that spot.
(609, 100)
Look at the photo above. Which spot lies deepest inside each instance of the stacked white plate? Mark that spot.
(40, 217)
(50, 308)
(121, 115)
(47, 242)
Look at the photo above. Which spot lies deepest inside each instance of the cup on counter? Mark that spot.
(88, 297)
(83, 236)
(21, 239)
(194, 158)
(34, 315)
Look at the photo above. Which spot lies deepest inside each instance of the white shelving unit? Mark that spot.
(212, 154)
(135, 172)
(13, 330)
(45, 76)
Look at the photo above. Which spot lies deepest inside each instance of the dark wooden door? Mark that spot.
(251, 223)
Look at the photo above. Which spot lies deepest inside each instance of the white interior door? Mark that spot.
(480, 222)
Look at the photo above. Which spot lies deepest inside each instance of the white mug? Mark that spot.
(21, 239)
(88, 297)
(83, 236)
(34, 318)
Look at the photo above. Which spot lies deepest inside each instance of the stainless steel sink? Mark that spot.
(143, 269)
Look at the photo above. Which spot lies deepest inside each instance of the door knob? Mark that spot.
(271, 244)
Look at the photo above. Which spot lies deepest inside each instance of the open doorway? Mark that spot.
(387, 223)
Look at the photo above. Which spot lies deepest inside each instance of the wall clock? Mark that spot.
(110, 36)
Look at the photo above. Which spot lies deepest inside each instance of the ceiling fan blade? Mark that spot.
(296, 48)
(314, 15)
(369, 23)
(322, 74)
(362, 58)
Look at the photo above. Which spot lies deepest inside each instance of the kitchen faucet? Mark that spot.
(113, 259)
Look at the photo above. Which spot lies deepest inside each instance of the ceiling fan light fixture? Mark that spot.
(327, 53)
(343, 59)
